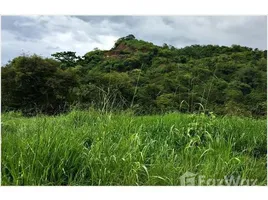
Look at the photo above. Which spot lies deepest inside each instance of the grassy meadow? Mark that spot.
(90, 148)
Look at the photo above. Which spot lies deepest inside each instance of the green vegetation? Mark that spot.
(140, 76)
(89, 148)
(138, 114)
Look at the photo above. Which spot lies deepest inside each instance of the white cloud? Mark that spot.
(45, 35)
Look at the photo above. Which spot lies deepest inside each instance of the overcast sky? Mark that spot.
(45, 35)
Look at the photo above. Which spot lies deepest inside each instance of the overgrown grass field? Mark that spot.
(89, 148)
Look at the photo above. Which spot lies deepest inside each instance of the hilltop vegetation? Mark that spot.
(140, 76)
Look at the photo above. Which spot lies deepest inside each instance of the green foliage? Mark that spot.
(142, 76)
(67, 58)
(166, 102)
(89, 148)
(38, 85)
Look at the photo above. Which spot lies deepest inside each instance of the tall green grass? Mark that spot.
(89, 148)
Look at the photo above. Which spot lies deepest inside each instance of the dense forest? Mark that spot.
(142, 77)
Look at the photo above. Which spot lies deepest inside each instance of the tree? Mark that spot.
(38, 85)
(130, 37)
(67, 58)
(165, 46)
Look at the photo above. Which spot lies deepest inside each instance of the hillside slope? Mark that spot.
(141, 76)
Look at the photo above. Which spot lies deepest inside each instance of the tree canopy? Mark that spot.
(141, 76)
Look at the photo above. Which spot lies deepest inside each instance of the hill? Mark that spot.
(140, 76)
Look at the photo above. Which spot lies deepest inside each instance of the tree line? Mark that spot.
(141, 76)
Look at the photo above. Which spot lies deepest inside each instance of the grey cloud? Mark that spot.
(52, 48)
(129, 20)
(22, 26)
(46, 34)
